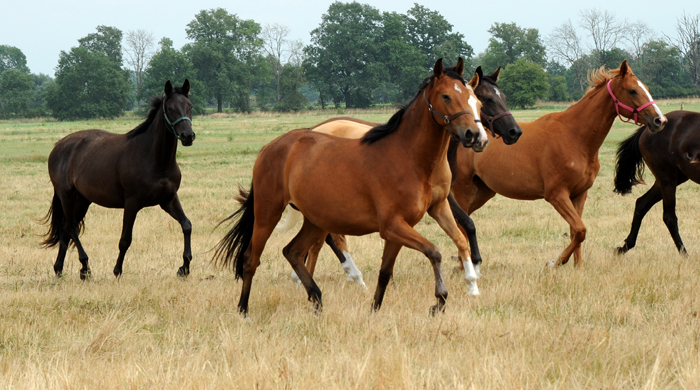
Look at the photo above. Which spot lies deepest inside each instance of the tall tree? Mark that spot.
(524, 82)
(605, 32)
(226, 54)
(107, 40)
(344, 58)
(16, 93)
(174, 65)
(688, 44)
(565, 45)
(139, 50)
(279, 49)
(12, 58)
(509, 42)
(90, 81)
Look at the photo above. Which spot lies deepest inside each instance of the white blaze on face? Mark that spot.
(482, 133)
(457, 88)
(498, 93)
(656, 108)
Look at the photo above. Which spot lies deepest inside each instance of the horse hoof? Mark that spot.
(183, 272)
(85, 275)
(551, 264)
(436, 309)
(477, 270)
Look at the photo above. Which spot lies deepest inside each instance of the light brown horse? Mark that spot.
(556, 158)
(379, 183)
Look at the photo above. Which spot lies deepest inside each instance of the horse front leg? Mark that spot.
(400, 233)
(642, 206)
(467, 224)
(564, 206)
(174, 209)
(444, 217)
(578, 203)
(130, 211)
(668, 190)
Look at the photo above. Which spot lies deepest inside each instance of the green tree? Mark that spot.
(524, 82)
(88, 85)
(41, 83)
(344, 59)
(12, 58)
(226, 54)
(174, 65)
(16, 93)
(291, 80)
(509, 42)
(661, 69)
(107, 40)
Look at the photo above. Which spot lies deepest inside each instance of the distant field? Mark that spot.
(620, 322)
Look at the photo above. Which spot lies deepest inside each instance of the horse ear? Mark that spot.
(459, 68)
(624, 68)
(438, 69)
(494, 75)
(186, 87)
(168, 88)
(479, 72)
(474, 82)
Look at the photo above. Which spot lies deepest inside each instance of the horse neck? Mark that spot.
(163, 144)
(422, 138)
(591, 120)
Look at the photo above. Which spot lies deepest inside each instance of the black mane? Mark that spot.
(155, 103)
(381, 131)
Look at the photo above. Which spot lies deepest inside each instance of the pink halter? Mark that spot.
(635, 111)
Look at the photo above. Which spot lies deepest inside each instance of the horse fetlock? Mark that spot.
(437, 309)
(352, 273)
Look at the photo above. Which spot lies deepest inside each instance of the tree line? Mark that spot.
(358, 56)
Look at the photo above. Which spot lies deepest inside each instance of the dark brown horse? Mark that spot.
(673, 157)
(499, 121)
(382, 182)
(557, 156)
(129, 171)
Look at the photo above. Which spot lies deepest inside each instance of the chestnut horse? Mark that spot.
(129, 171)
(557, 156)
(500, 123)
(381, 182)
(673, 157)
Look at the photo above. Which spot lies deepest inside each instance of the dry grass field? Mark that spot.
(627, 322)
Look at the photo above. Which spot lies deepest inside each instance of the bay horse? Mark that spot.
(381, 182)
(557, 156)
(500, 123)
(673, 157)
(129, 171)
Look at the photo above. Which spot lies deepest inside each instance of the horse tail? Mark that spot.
(231, 250)
(629, 168)
(56, 221)
(289, 221)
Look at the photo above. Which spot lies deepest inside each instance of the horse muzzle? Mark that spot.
(467, 137)
(656, 124)
(187, 139)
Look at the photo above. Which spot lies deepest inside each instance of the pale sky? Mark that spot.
(42, 28)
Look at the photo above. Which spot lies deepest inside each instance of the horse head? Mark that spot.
(455, 104)
(176, 104)
(494, 111)
(628, 92)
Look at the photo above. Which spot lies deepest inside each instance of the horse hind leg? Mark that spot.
(74, 210)
(670, 219)
(339, 245)
(296, 251)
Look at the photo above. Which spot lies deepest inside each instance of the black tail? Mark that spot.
(235, 243)
(629, 167)
(56, 221)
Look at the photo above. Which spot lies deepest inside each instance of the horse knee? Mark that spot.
(670, 219)
(579, 234)
(433, 255)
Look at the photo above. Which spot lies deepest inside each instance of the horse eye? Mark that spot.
(633, 92)
(446, 97)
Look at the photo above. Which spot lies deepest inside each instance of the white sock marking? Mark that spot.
(351, 271)
(470, 275)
